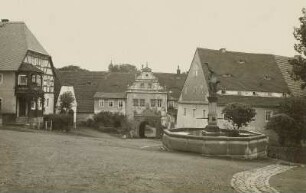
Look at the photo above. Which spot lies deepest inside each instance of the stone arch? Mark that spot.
(141, 121)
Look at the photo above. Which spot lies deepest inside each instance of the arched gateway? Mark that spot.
(147, 119)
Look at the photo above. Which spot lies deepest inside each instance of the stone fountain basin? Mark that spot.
(250, 145)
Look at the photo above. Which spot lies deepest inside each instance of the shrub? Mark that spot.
(286, 128)
(239, 115)
(60, 121)
(108, 119)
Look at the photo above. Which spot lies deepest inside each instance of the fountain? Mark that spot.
(212, 140)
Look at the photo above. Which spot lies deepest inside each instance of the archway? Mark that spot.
(142, 129)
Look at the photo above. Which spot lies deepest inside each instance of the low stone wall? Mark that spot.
(36, 122)
(251, 147)
(291, 154)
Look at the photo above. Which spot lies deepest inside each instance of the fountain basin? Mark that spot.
(250, 145)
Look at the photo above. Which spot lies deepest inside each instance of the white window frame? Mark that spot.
(194, 113)
(142, 102)
(120, 104)
(136, 102)
(101, 102)
(110, 103)
(39, 104)
(153, 102)
(271, 114)
(159, 102)
(1, 78)
(33, 105)
(19, 80)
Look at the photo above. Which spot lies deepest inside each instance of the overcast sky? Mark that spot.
(164, 33)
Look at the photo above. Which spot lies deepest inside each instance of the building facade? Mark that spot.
(26, 74)
(255, 79)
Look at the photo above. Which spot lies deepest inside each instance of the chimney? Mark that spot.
(223, 50)
(178, 71)
(4, 20)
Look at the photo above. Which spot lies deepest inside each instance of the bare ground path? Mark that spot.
(47, 162)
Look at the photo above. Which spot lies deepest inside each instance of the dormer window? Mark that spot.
(266, 77)
(241, 61)
(227, 75)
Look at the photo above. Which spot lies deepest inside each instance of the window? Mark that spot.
(47, 102)
(153, 102)
(196, 71)
(268, 115)
(239, 92)
(171, 103)
(142, 102)
(1, 78)
(135, 103)
(39, 104)
(101, 102)
(269, 94)
(33, 105)
(110, 103)
(0, 104)
(22, 80)
(203, 113)
(33, 78)
(254, 93)
(159, 102)
(150, 85)
(185, 111)
(223, 91)
(141, 85)
(120, 104)
(38, 80)
(193, 112)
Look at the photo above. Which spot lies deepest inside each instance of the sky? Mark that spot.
(162, 33)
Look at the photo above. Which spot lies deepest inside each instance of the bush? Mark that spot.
(108, 119)
(60, 121)
(239, 115)
(286, 128)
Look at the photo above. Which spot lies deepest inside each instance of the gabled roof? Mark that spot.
(103, 95)
(88, 84)
(15, 40)
(244, 71)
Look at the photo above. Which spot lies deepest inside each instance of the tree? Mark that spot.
(72, 68)
(286, 128)
(296, 109)
(239, 114)
(66, 100)
(122, 68)
(299, 63)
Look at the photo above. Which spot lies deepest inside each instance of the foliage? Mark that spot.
(122, 68)
(286, 128)
(239, 114)
(66, 100)
(72, 68)
(60, 121)
(299, 63)
(296, 109)
(108, 119)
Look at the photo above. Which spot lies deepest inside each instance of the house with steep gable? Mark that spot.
(260, 80)
(26, 74)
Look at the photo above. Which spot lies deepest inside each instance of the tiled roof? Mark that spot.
(26, 67)
(244, 71)
(87, 84)
(15, 40)
(286, 68)
(120, 95)
(251, 100)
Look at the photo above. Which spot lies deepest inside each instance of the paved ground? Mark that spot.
(48, 162)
